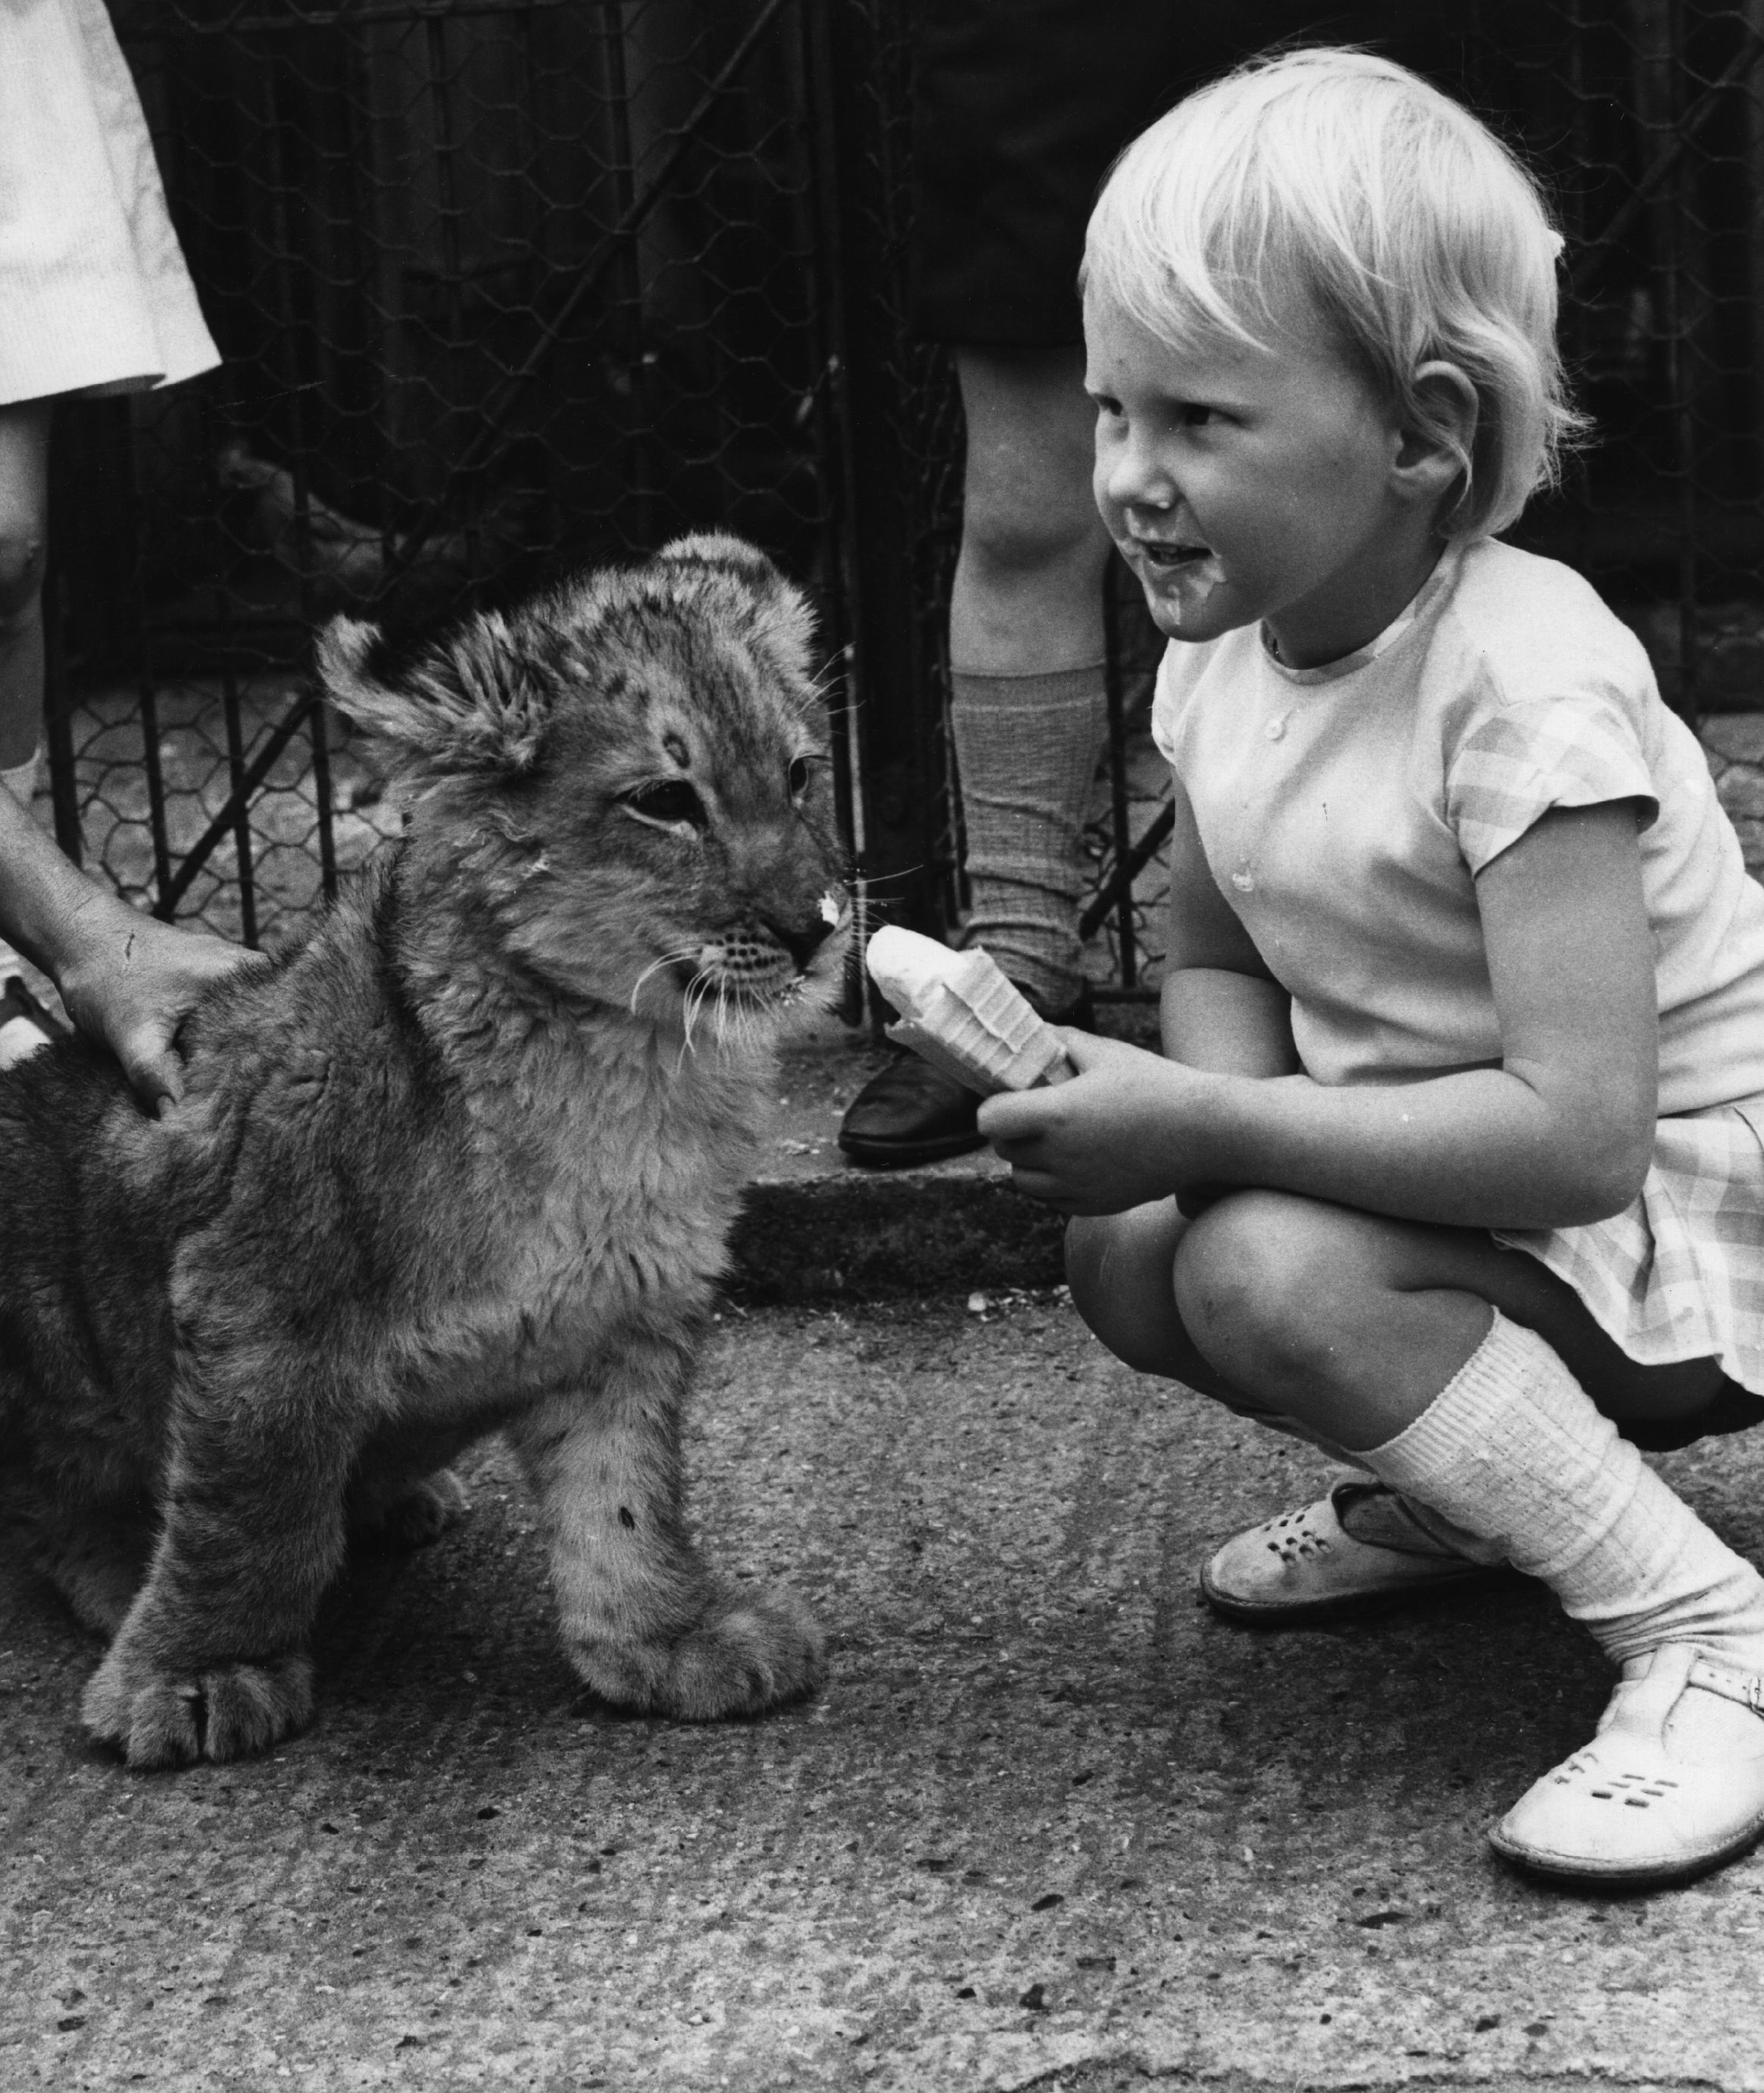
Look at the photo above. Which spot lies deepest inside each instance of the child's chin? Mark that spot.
(1178, 621)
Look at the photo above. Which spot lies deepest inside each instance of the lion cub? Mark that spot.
(464, 1162)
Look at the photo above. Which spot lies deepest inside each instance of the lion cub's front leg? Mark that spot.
(645, 1622)
(211, 1661)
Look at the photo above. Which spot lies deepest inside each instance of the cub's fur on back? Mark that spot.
(466, 1161)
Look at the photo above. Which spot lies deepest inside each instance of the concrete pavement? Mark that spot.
(1049, 1823)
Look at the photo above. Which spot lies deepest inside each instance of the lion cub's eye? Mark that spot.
(670, 803)
(796, 778)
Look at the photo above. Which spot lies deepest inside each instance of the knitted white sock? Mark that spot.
(1512, 1449)
(1026, 750)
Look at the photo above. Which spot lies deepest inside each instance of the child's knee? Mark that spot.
(1259, 1283)
(1118, 1268)
(1086, 1263)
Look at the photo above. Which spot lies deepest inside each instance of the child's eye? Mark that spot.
(1196, 416)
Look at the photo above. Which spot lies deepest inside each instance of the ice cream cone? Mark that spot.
(963, 1015)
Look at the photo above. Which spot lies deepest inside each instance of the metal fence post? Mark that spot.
(895, 732)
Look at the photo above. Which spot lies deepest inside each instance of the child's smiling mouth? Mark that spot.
(1167, 555)
(1178, 575)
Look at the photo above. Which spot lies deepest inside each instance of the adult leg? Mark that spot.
(24, 557)
(1028, 712)
(1025, 599)
(1027, 703)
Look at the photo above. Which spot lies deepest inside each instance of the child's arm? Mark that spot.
(1221, 1008)
(1560, 1134)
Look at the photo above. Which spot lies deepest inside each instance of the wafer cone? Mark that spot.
(960, 1011)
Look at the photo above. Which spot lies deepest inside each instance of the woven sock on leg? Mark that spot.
(1513, 1449)
(1026, 750)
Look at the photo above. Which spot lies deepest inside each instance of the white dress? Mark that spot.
(1344, 813)
(94, 296)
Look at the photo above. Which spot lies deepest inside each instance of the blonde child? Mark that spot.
(1453, 1155)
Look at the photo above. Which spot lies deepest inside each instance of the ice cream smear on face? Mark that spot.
(1195, 568)
(963, 1016)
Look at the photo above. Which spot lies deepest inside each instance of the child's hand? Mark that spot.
(1113, 1137)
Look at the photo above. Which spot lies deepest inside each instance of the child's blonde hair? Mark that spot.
(1413, 232)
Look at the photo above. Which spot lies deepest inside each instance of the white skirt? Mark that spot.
(1678, 1274)
(94, 296)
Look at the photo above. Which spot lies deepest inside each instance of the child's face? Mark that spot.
(1244, 484)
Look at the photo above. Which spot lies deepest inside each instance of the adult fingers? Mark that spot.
(151, 1067)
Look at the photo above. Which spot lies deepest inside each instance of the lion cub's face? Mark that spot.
(631, 772)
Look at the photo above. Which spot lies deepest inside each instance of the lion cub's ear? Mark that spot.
(782, 621)
(469, 703)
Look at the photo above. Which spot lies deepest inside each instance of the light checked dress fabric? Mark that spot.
(1344, 813)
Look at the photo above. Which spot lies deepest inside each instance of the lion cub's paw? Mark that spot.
(419, 1517)
(744, 1655)
(156, 1719)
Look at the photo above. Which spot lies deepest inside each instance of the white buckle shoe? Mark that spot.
(1671, 1785)
(1306, 1566)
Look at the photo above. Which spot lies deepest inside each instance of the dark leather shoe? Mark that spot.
(910, 1112)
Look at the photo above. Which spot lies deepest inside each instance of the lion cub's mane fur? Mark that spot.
(466, 1159)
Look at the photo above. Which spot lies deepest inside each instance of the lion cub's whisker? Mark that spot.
(660, 966)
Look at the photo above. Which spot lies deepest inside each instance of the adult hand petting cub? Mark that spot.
(128, 981)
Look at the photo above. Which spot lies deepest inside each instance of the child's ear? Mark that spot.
(1432, 458)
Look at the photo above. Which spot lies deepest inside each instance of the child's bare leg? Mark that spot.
(1270, 1276)
(1120, 1268)
(1395, 1340)
(1359, 1546)
(1353, 1323)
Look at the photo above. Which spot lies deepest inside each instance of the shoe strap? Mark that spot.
(1747, 1689)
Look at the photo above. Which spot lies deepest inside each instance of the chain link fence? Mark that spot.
(505, 286)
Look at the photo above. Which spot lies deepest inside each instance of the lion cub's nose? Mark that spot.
(803, 941)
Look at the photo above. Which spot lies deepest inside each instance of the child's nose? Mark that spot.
(1135, 477)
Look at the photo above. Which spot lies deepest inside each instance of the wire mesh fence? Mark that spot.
(502, 286)
(505, 286)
